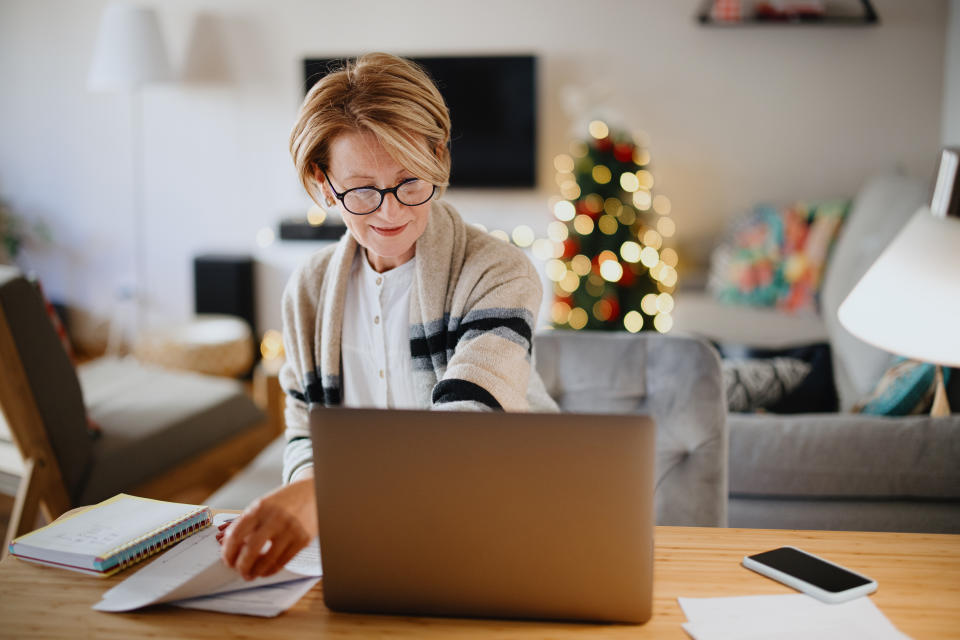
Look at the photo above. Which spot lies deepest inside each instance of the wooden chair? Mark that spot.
(163, 432)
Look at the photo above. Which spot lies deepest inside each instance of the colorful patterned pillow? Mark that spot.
(906, 388)
(775, 257)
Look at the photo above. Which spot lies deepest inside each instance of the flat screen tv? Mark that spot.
(493, 104)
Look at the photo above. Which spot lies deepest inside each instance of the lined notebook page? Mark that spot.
(101, 529)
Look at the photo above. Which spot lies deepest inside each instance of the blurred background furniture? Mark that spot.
(111, 425)
(674, 379)
(841, 470)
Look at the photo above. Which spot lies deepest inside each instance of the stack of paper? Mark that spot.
(784, 617)
(192, 575)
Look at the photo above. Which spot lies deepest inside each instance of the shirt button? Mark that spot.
(376, 320)
(379, 280)
(381, 373)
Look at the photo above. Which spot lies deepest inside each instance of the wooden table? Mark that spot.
(918, 574)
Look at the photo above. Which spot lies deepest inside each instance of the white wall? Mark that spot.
(951, 79)
(735, 116)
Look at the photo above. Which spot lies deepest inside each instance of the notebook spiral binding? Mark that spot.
(153, 542)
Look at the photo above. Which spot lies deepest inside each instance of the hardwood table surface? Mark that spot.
(918, 577)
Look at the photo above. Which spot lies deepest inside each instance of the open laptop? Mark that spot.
(505, 515)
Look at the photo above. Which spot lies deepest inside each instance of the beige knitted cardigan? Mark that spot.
(473, 307)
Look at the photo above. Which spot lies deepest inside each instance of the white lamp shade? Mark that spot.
(908, 302)
(129, 52)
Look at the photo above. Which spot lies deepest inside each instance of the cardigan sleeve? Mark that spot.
(492, 337)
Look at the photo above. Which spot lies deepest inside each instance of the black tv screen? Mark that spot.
(492, 101)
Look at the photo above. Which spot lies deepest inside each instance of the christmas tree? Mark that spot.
(611, 266)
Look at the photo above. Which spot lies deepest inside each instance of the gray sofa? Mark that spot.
(842, 470)
(675, 379)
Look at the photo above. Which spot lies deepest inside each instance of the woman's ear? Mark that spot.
(321, 179)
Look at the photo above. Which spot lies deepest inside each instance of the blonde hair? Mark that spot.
(391, 98)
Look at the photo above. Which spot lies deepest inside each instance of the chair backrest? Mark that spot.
(675, 379)
(40, 396)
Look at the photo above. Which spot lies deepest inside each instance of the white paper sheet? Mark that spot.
(786, 617)
(193, 568)
(266, 602)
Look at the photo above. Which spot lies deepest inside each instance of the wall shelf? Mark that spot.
(867, 18)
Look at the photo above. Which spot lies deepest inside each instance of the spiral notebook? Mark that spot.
(111, 535)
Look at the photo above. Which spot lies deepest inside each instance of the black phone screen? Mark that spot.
(810, 569)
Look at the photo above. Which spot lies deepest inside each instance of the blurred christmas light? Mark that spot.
(652, 239)
(570, 190)
(499, 234)
(629, 182)
(627, 216)
(598, 129)
(271, 346)
(642, 200)
(316, 215)
(595, 285)
(666, 226)
(649, 304)
(580, 264)
(555, 270)
(557, 231)
(578, 149)
(570, 282)
(563, 163)
(633, 321)
(601, 174)
(564, 210)
(612, 206)
(602, 310)
(578, 318)
(665, 303)
(607, 225)
(523, 236)
(543, 248)
(563, 178)
(663, 322)
(611, 270)
(583, 224)
(641, 157)
(630, 251)
(560, 312)
(594, 203)
(645, 178)
(661, 204)
(649, 257)
(669, 256)
(606, 255)
(669, 277)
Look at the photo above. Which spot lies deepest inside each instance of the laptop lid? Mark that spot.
(515, 515)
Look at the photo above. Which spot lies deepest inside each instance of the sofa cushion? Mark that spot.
(879, 212)
(154, 418)
(843, 455)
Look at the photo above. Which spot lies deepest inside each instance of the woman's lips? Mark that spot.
(390, 231)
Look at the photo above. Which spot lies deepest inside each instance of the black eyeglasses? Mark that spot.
(365, 200)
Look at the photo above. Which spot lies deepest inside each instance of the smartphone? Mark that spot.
(814, 576)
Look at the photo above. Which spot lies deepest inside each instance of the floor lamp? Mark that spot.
(922, 265)
(130, 54)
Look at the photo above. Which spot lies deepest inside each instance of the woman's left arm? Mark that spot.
(491, 363)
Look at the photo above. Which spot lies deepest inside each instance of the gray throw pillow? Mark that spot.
(755, 384)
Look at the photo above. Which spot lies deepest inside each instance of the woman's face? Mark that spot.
(390, 233)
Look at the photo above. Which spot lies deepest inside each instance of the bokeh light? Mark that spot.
(630, 251)
(633, 321)
(583, 224)
(578, 318)
(611, 270)
(564, 210)
(563, 163)
(598, 129)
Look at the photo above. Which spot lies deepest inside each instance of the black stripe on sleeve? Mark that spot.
(454, 390)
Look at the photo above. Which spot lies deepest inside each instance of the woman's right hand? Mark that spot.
(285, 517)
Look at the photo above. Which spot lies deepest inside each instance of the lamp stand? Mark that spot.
(941, 407)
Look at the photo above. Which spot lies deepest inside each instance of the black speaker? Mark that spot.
(224, 284)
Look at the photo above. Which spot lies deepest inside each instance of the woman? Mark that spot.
(411, 308)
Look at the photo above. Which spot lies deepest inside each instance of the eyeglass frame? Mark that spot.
(383, 193)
